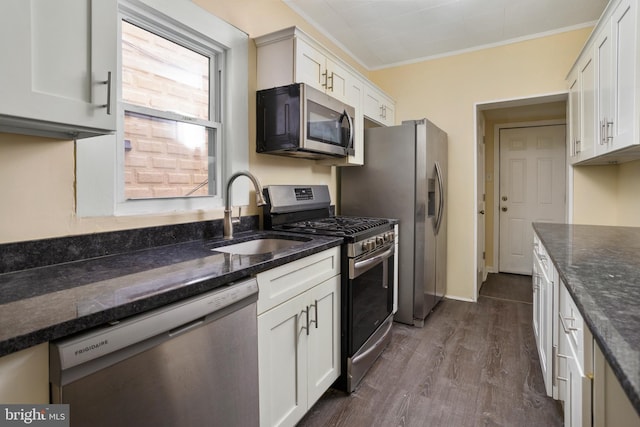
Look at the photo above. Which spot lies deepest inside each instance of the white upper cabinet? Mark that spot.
(582, 107)
(317, 70)
(291, 56)
(59, 73)
(612, 49)
(624, 75)
(378, 106)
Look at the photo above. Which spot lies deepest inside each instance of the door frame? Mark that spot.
(495, 268)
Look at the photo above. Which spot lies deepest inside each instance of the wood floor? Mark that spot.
(473, 364)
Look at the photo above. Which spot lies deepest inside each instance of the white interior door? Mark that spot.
(532, 189)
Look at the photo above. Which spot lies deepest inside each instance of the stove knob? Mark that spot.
(379, 241)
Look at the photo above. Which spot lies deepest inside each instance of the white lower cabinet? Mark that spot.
(575, 370)
(298, 338)
(24, 376)
(611, 407)
(544, 279)
(576, 349)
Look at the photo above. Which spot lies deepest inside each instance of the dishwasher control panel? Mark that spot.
(172, 320)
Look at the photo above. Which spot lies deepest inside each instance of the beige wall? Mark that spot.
(446, 90)
(607, 195)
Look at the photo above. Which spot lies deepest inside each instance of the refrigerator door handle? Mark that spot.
(441, 198)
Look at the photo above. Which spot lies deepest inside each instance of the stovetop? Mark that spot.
(306, 209)
(336, 225)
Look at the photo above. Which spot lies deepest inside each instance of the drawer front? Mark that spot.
(577, 334)
(287, 281)
(541, 254)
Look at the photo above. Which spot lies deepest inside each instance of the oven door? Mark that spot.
(370, 290)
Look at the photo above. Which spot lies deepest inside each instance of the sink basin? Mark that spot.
(258, 246)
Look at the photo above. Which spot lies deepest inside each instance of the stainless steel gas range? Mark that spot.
(367, 266)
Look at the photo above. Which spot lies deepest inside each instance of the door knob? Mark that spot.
(504, 209)
(481, 212)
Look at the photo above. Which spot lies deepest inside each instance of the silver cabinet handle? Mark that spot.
(609, 125)
(327, 80)
(306, 313)
(315, 308)
(108, 83)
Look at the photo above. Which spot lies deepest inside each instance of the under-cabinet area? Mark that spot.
(585, 286)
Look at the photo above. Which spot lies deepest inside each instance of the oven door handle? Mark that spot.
(366, 264)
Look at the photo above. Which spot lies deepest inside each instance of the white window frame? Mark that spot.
(99, 161)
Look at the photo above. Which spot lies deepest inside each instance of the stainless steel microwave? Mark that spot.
(301, 121)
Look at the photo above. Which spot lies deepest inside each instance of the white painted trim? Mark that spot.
(98, 177)
(476, 285)
(456, 298)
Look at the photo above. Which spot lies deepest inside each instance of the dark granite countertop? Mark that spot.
(51, 301)
(600, 266)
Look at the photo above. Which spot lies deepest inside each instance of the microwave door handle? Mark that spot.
(350, 146)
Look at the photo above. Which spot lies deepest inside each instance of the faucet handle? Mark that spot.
(236, 220)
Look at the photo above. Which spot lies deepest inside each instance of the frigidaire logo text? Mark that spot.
(91, 347)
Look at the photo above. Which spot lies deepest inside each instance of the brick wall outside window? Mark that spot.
(163, 158)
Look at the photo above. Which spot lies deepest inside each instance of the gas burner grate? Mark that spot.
(339, 224)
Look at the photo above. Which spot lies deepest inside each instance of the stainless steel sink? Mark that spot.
(258, 246)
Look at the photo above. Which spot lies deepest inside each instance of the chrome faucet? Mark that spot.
(228, 220)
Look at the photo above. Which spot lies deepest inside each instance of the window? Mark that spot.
(182, 115)
(168, 99)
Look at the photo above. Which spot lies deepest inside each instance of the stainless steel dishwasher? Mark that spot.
(193, 363)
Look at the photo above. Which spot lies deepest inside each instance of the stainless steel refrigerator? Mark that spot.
(405, 177)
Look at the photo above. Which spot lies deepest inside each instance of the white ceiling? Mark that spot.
(382, 33)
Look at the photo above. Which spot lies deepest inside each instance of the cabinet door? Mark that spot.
(604, 88)
(574, 114)
(25, 376)
(282, 363)
(585, 147)
(373, 104)
(310, 66)
(536, 278)
(324, 338)
(337, 81)
(62, 56)
(542, 321)
(623, 27)
(378, 107)
(611, 405)
(577, 405)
